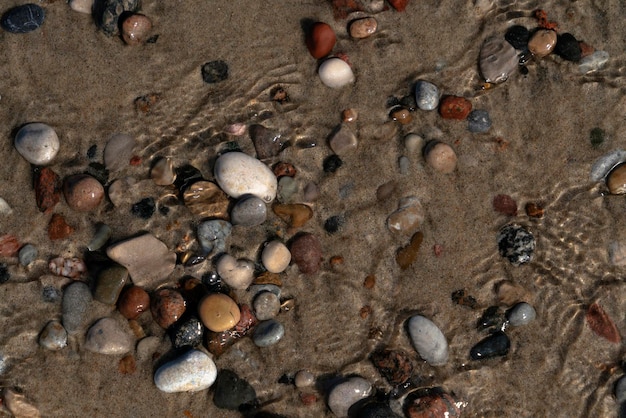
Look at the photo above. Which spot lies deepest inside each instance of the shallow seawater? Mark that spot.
(72, 77)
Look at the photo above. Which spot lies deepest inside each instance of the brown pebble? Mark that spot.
(167, 306)
(218, 312)
(127, 365)
(9, 245)
(534, 210)
(349, 115)
(294, 214)
(144, 104)
(279, 94)
(268, 278)
(320, 40)
(336, 260)
(461, 297)
(282, 169)
(308, 398)
(306, 252)
(82, 192)
(365, 311)
(385, 190)
(47, 189)
(58, 228)
(206, 199)
(509, 293)
(407, 255)
(431, 402)
(362, 28)
(505, 204)
(394, 365)
(133, 302)
(616, 180)
(402, 115)
(218, 342)
(542, 43)
(602, 324)
(369, 281)
(136, 29)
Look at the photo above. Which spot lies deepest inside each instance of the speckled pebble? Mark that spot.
(346, 394)
(516, 243)
(212, 235)
(440, 156)
(478, 121)
(187, 333)
(428, 340)
(136, 28)
(76, 302)
(275, 257)
(268, 333)
(107, 13)
(167, 306)
(191, 372)
(106, 336)
(237, 273)
(427, 95)
(249, 211)
(363, 28)
(38, 143)
(133, 302)
(82, 192)
(27, 254)
(304, 378)
(266, 306)
(521, 314)
(53, 336)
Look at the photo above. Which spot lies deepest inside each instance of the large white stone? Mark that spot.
(106, 336)
(239, 174)
(238, 274)
(38, 143)
(346, 394)
(335, 73)
(191, 372)
(428, 340)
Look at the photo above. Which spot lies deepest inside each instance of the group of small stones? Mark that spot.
(136, 277)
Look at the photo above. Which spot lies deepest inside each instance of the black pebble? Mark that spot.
(144, 208)
(490, 318)
(214, 71)
(409, 102)
(371, 408)
(187, 333)
(185, 176)
(568, 48)
(232, 392)
(518, 36)
(214, 283)
(332, 163)
(333, 224)
(98, 171)
(164, 210)
(4, 273)
(91, 152)
(51, 294)
(23, 19)
(286, 380)
(523, 69)
(495, 345)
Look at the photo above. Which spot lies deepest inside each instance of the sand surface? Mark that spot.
(71, 76)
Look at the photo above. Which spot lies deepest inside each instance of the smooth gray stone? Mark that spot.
(521, 314)
(428, 340)
(28, 254)
(106, 336)
(249, 211)
(266, 306)
(191, 372)
(347, 393)
(268, 333)
(76, 302)
(426, 95)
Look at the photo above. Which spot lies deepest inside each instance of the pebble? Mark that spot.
(106, 336)
(257, 289)
(82, 192)
(27, 254)
(58, 228)
(191, 372)
(491, 317)
(5, 208)
(413, 142)
(53, 336)
(303, 379)
(47, 189)
(428, 340)
(347, 393)
(167, 306)
(602, 324)
(218, 343)
(100, 238)
(521, 314)
(616, 179)
(9, 245)
(498, 59)
(118, 152)
(495, 345)
(406, 256)
(287, 189)
(144, 209)
(332, 163)
(76, 301)
(518, 37)
(371, 408)
(440, 156)
(82, 6)
(505, 205)
(478, 121)
(394, 365)
(50, 294)
(516, 243)
(593, 62)
(431, 402)
(148, 260)
(4, 273)
(23, 19)
(342, 140)
(335, 73)
(620, 390)
(212, 235)
(214, 71)
(72, 267)
(266, 142)
(133, 302)
(283, 168)
(320, 40)
(349, 115)
(268, 333)
(239, 174)
(426, 95)
(509, 293)
(38, 143)
(408, 217)
(136, 29)
(18, 405)
(617, 253)
(306, 252)
(205, 199)
(187, 333)
(401, 114)
(568, 48)
(163, 173)
(275, 257)
(108, 12)
(455, 107)
(603, 165)
(311, 192)
(232, 392)
(218, 312)
(363, 28)
(110, 283)
(236, 273)
(147, 347)
(403, 165)
(294, 214)
(542, 42)
(249, 211)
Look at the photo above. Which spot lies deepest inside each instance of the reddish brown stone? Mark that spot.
(127, 364)
(282, 169)
(320, 40)
(47, 189)
(505, 204)
(58, 228)
(534, 210)
(438, 250)
(133, 302)
(369, 281)
(407, 255)
(219, 342)
(455, 107)
(602, 324)
(9, 245)
(306, 252)
(585, 49)
(365, 311)
(167, 306)
(393, 365)
(431, 403)
(399, 5)
(308, 398)
(82, 192)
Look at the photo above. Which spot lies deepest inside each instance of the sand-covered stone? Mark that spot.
(191, 372)
(428, 340)
(118, 152)
(498, 59)
(106, 336)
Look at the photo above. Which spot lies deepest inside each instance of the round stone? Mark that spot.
(239, 174)
(276, 257)
(191, 372)
(478, 121)
(568, 47)
(133, 302)
(106, 336)
(335, 73)
(82, 192)
(521, 314)
(304, 378)
(542, 42)
(426, 95)
(320, 40)
(27, 254)
(268, 333)
(38, 143)
(428, 340)
(238, 274)
(306, 252)
(212, 235)
(136, 29)
(347, 393)
(167, 306)
(249, 211)
(363, 28)
(516, 243)
(413, 142)
(218, 312)
(616, 180)
(214, 71)
(440, 156)
(408, 217)
(266, 306)
(498, 59)
(23, 19)
(53, 336)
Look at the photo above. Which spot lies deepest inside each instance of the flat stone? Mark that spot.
(267, 143)
(205, 199)
(106, 336)
(239, 174)
(232, 392)
(275, 257)
(38, 143)
(521, 314)
(148, 260)
(23, 19)
(426, 95)
(212, 235)
(478, 121)
(495, 345)
(342, 140)
(53, 336)
(363, 28)
(110, 283)
(428, 340)
(76, 302)
(268, 333)
(218, 312)
(266, 305)
(408, 217)
(107, 13)
(498, 59)
(238, 274)
(346, 394)
(249, 211)
(191, 372)
(118, 152)
(516, 244)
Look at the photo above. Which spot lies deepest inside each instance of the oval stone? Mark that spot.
(238, 274)
(346, 394)
(249, 211)
(191, 372)
(218, 312)
(266, 305)
(320, 40)
(136, 29)
(306, 252)
(495, 345)
(516, 243)
(23, 19)
(428, 340)
(498, 59)
(521, 314)
(362, 28)
(38, 143)
(268, 333)
(167, 306)
(426, 95)
(335, 73)
(239, 174)
(276, 257)
(76, 301)
(616, 180)
(542, 42)
(440, 156)
(133, 302)
(118, 151)
(82, 192)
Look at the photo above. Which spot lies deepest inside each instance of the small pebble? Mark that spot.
(518, 37)
(408, 217)
(505, 205)
(266, 306)
(440, 156)
(283, 168)
(27, 254)
(311, 192)
(478, 121)
(602, 324)
(167, 306)
(287, 189)
(403, 165)
(82, 192)
(495, 345)
(568, 47)
(133, 302)
(516, 243)
(349, 115)
(106, 336)
(187, 333)
(335, 73)
(232, 392)
(214, 71)
(58, 228)
(401, 114)
(236, 273)
(267, 143)
(49, 293)
(275, 257)
(304, 378)
(597, 136)
(306, 252)
(23, 19)
(100, 238)
(9, 245)
(279, 95)
(413, 143)
(346, 394)
(394, 365)
(144, 209)
(534, 210)
(218, 312)
(616, 179)
(108, 12)
(491, 317)
(163, 173)
(48, 187)
(428, 340)
(53, 336)
(455, 107)
(136, 29)
(332, 163)
(342, 140)
(109, 285)
(118, 152)
(212, 235)
(239, 174)
(363, 28)
(249, 211)
(593, 62)
(191, 372)
(82, 6)
(72, 267)
(334, 223)
(542, 42)
(205, 199)
(268, 333)
(521, 314)
(498, 59)
(294, 214)
(38, 143)
(320, 40)
(426, 95)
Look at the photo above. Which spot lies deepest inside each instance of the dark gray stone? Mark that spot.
(267, 143)
(516, 243)
(478, 121)
(214, 71)
(268, 333)
(187, 333)
(232, 392)
(249, 211)
(23, 19)
(495, 345)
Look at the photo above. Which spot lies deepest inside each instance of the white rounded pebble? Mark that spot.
(239, 174)
(426, 95)
(82, 6)
(276, 257)
(5, 209)
(413, 143)
(428, 340)
(335, 73)
(440, 156)
(54, 336)
(38, 143)
(106, 336)
(191, 372)
(238, 274)
(346, 394)
(303, 379)
(521, 314)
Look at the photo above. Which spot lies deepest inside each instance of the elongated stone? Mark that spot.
(495, 345)
(191, 372)
(428, 340)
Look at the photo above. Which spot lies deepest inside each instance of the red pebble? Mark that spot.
(167, 306)
(284, 169)
(399, 5)
(505, 204)
(306, 252)
(601, 324)
(308, 398)
(320, 40)
(8, 245)
(455, 107)
(135, 160)
(58, 228)
(133, 302)
(47, 189)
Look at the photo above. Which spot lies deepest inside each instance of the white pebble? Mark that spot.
(304, 378)
(276, 257)
(239, 174)
(191, 372)
(107, 337)
(82, 6)
(38, 143)
(346, 394)
(521, 314)
(428, 340)
(238, 274)
(336, 73)
(413, 143)
(593, 62)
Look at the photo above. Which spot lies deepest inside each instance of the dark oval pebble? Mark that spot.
(144, 208)
(333, 224)
(516, 244)
(568, 47)
(214, 71)
(371, 408)
(518, 37)
(50, 294)
(332, 163)
(23, 19)
(4, 273)
(232, 392)
(495, 345)
(306, 252)
(133, 301)
(478, 121)
(187, 333)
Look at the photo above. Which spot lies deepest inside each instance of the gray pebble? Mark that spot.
(268, 333)
(620, 389)
(404, 164)
(478, 121)
(428, 340)
(212, 235)
(28, 254)
(272, 288)
(304, 378)
(53, 336)
(426, 95)
(51, 294)
(76, 301)
(106, 336)
(347, 393)
(191, 372)
(521, 314)
(249, 211)
(38, 143)
(266, 306)
(100, 238)
(516, 243)
(603, 165)
(287, 188)
(118, 152)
